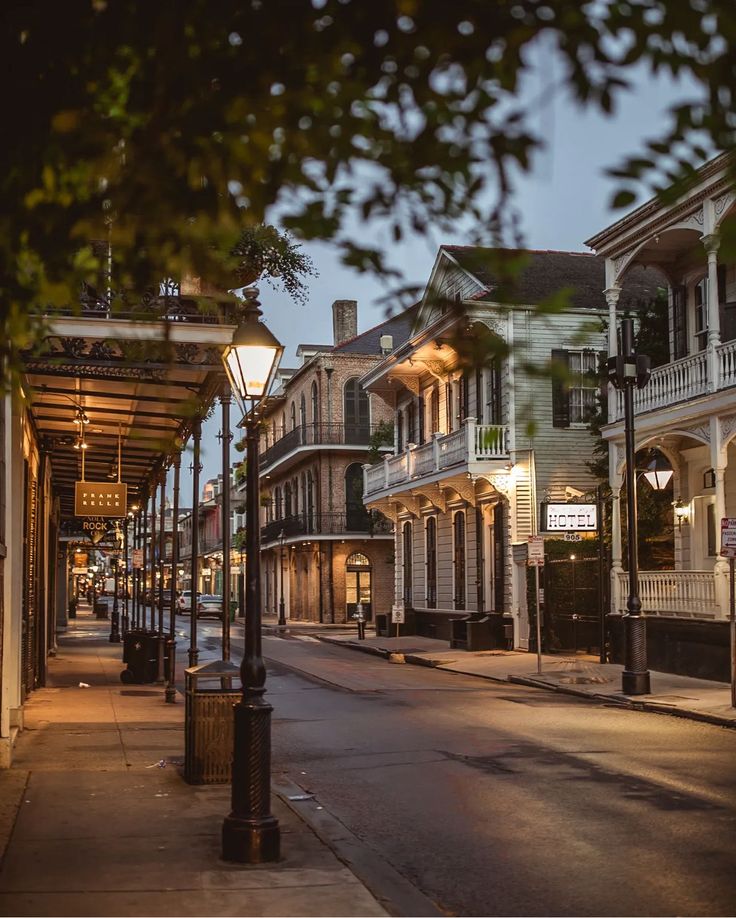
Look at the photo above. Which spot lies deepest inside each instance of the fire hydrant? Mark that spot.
(359, 617)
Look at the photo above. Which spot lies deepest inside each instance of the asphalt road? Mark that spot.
(496, 799)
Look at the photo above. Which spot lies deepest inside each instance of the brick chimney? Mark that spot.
(344, 320)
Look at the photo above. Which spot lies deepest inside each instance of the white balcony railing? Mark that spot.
(470, 443)
(675, 382)
(687, 594)
(727, 364)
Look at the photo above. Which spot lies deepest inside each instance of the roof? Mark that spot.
(546, 271)
(398, 326)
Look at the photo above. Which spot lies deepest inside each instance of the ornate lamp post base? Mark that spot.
(250, 834)
(635, 677)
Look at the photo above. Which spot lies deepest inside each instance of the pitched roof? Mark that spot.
(545, 272)
(398, 326)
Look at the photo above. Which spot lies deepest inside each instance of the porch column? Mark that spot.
(719, 461)
(711, 243)
(612, 295)
(615, 481)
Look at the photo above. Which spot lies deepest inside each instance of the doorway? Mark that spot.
(358, 584)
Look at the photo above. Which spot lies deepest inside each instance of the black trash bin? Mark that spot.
(382, 621)
(480, 633)
(459, 632)
(140, 652)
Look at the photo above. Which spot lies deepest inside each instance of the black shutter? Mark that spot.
(725, 311)
(499, 559)
(421, 419)
(560, 395)
(679, 321)
(399, 432)
(479, 395)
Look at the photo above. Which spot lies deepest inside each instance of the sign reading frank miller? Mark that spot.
(97, 498)
(569, 518)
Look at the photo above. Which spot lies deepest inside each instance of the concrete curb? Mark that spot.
(619, 700)
(392, 890)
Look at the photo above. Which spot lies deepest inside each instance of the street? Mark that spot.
(498, 799)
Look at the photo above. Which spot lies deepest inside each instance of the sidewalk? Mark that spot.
(106, 825)
(697, 699)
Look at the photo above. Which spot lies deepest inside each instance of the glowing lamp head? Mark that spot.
(658, 473)
(253, 356)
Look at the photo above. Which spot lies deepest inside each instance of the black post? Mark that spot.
(143, 574)
(635, 677)
(126, 608)
(225, 400)
(170, 693)
(152, 559)
(115, 617)
(196, 467)
(134, 570)
(250, 834)
(282, 607)
(160, 601)
(601, 568)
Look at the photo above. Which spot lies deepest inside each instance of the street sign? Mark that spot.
(728, 537)
(136, 557)
(398, 615)
(535, 551)
(559, 517)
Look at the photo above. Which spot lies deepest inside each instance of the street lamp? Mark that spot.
(658, 473)
(250, 834)
(282, 609)
(626, 371)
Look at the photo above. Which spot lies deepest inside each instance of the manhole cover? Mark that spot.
(138, 692)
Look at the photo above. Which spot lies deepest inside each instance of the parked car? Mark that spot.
(184, 601)
(209, 607)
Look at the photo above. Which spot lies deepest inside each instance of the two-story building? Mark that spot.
(483, 431)
(322, 552)
(687, 411)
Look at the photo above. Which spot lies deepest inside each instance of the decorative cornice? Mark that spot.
(434, 494)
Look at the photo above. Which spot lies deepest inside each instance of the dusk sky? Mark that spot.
(564, 201)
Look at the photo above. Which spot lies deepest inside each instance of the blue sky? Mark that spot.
(563, 201)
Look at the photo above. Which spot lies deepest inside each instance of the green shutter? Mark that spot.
(560, 396)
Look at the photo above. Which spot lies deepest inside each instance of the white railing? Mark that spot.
(470, 443)
(727, 364)
(687, 594)
(676, 382)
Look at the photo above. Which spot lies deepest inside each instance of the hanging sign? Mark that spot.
(569, 517)
(136, 557)
(97, 498)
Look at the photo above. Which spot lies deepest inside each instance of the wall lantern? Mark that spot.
(682, 512)
(658, 473)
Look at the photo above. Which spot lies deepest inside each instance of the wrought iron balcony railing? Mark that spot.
(319, 434)
(336, 523)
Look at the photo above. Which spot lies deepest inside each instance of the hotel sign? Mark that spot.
(569, 518)
(97, 498)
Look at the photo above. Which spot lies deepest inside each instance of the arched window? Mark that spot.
(273, 431)
(287, 499)
(407, 551)
(459, 546)
(303, 417)
(304, 500)
(310, 502)
(431, 535)
(356, 412)
(355, 512)
(315, 404)
(295, 490)
(293, 416)
(358, 586)
(435, 410)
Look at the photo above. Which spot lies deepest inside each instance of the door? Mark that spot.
(358, 585)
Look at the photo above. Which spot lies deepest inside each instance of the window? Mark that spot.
(303, 416)
(411, 423)
(315, 404)
(492, 410)
(700, 295)
(356, 412)
(355, 512)
(431, 536)
(279, 506)
(293, 416)
(710, 522)
(407, 552)
(287, 499)
(679, 321)
(450, 407)
(463, 393)
(575, 386)
(310, 501)
(399, 431)
(434, 410)
(459, 545)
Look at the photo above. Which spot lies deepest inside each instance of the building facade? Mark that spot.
(479, 443)
(686, 411)
(323, 553)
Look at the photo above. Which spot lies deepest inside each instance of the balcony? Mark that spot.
(337, 523)
(689, 378)
(472, 443)
(684, 594)
(311, 435)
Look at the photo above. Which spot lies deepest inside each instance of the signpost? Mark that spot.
(398, 615)
(728, 550)
(535, 559)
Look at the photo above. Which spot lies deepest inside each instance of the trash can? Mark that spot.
(100, 609)
(209, 721)
(382, 620)
(140, 652)
(459, 632)
(480, 634)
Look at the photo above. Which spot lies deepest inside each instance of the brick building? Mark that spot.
(322, 551)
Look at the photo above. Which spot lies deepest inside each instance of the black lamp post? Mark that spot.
(115, 617)
(626, 371)
(250, 833)
(282, 608)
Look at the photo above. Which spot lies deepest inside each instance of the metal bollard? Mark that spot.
(359, 617)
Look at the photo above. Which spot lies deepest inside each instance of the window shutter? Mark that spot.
(422, 409)
(560, 395)
(725, 316)
(679, 321)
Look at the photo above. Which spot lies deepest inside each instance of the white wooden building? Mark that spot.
(687, 411)
(477, 448)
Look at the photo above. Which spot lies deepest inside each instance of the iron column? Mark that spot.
(196, 468)
(225, 400)
(160, 600)
(170, 694)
